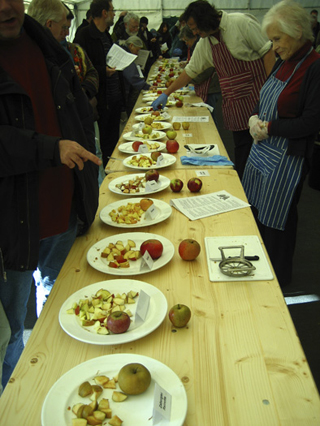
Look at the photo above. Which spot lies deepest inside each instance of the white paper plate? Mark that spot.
(162, 117)
(155, 136)
(101, 264)
(163, 210)
(150, 98)
(157, 311)
(126, 147)
(144, 110)
(136, 410)
(163, 181)
(168, 161)
(164, 125)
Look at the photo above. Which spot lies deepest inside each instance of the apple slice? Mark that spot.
(118, 396)
(110, 385)
(104, 402)
(85, 389)
(97, 391)
(91, 420)
(79, 422)
(115, 421)
(76, 407)
(99, 415)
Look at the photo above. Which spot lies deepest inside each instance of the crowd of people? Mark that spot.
(267, 75)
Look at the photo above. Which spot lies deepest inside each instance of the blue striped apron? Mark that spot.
(271, 177)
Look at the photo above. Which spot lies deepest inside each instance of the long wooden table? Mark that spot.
(240, 359)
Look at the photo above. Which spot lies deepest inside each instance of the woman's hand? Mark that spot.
(258, 128)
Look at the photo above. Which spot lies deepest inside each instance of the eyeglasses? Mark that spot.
(63, 27)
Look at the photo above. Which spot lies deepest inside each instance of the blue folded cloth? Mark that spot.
(215, 160)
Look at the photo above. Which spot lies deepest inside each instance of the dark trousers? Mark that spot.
(280, 245)
(109, 127)
(242, 146)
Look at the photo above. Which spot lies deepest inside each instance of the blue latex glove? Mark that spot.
(215, 160)
(161, 100)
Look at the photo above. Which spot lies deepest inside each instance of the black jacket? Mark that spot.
(89, 39)
(23, 153)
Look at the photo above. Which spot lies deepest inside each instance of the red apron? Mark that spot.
(240, 83)
(202, 89)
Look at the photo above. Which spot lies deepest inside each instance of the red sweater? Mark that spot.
(24, 62)
(288, 99)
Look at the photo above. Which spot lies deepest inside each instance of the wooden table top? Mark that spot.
(239, 359)
(198, 133)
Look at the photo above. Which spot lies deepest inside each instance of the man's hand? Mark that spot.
(72, 154)
(110, 71)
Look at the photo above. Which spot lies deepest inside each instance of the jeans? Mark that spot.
(5, 334)
(15, 292)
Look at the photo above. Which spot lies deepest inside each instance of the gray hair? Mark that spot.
(292, 19)
(186, 33)
(130, 15)
(44, 10)
(135, 40)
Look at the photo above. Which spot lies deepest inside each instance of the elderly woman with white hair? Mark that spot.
(284, 130)
(133, 81)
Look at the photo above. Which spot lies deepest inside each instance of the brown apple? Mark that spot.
(179, 315)
(176, 125)
(155, 154)
(179, 104)
(145, 203)
(134, 379)
(189, 249)
(185, 125)
(153, 247)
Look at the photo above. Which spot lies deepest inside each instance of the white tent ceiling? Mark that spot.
(156, 10)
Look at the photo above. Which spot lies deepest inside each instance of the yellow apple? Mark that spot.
(134, 379)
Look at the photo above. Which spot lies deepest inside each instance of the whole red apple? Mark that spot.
(152, 175)
(176, 185)
(172, 146)
(153, 247)
(118, 322)
(136, 144)
(194, 184)
(179, 315)
(179, 104)
(189, 249)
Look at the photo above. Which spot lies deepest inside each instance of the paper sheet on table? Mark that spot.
(203, 104)
(208, 205)
(118, 58)
(197, 119)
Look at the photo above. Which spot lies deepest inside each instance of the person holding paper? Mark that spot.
(134, 82)
(242, 56)
(96, 41)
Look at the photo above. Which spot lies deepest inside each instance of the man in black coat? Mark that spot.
(48, 170)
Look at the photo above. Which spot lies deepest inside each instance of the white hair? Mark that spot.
(129, 16)
(44, 10)
(291, 18)
(135, 40)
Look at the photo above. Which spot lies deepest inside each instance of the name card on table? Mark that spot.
(161, 404)
(160, 160)
(202, 173)
(143, 149)
(151, 212)
(146, 261)
(197, 119)
(152, 185)
(187, 135)
(142, 307)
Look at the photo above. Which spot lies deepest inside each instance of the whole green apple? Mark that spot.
(179, 315)
(134, 379)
